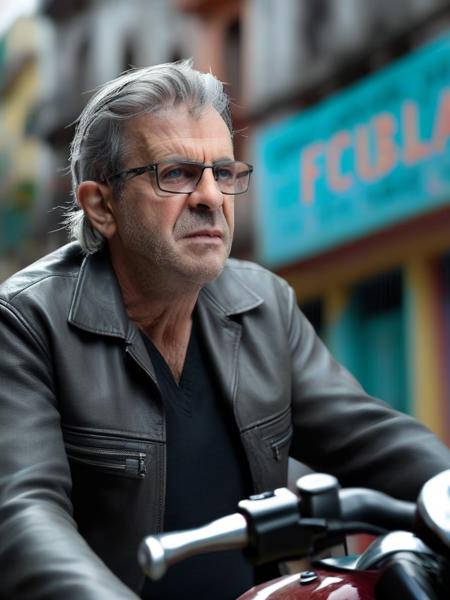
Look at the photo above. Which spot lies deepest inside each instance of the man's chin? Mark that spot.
(206, 270)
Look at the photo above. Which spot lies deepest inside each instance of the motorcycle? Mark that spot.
(409, 558)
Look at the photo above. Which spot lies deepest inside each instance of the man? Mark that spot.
(149, 383)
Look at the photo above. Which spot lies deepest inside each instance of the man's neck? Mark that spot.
(162, 312)
(168, 326)
(163, 321)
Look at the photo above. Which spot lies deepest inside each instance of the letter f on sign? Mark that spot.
(309, 172)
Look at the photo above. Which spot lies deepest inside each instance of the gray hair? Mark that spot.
(98, 147)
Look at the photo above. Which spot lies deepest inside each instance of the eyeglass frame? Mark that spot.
(153, 168)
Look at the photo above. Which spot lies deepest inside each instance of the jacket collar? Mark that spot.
(97, 304)
(230, 294)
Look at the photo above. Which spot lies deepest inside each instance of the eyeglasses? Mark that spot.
(182, 177)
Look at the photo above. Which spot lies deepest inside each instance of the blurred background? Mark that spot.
(343, 106)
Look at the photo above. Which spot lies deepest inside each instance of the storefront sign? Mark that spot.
(371, 156)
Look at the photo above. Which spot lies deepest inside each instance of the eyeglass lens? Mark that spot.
(183, 177)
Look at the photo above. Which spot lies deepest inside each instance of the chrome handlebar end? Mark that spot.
(151, 557)
(158, 552)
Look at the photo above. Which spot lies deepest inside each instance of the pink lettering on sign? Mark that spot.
(366, 167)
(414, 149)
(441, 132)
(337, 180)
(309, 171)
(374, 148)
(386, 127)
(381, 130)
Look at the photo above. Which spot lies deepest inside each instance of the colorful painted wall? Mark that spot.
(19, 153)
(354, 209)
(392, 331)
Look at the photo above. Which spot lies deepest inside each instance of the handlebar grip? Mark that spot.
(376, 508)
(158, 552)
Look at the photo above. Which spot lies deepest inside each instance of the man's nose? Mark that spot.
(207, 192)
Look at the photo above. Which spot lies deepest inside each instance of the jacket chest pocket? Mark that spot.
(106, 452)
(276, 435)
(267, 446)
(281, 442)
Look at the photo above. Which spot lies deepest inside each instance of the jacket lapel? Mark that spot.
(222, 338)
(219, 307)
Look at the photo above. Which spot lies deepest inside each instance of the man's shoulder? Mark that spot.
(47, 273)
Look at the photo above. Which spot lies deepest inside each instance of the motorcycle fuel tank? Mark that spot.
(317, 584)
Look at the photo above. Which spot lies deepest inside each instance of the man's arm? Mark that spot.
(42, 556)
(340, 429)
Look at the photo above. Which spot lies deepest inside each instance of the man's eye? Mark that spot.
(176, 173)
(224, 174)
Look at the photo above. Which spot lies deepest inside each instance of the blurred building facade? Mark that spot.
(341, 105)
(25, 162)
(352, 200)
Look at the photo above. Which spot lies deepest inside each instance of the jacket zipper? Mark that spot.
(279, 442)
(126, 461)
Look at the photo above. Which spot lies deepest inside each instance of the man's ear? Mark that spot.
(95, 199)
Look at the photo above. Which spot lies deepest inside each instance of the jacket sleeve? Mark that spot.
(42, 556)
(339, 429)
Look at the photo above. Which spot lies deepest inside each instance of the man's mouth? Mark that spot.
(208, 234)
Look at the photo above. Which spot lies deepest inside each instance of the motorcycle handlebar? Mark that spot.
(158, 552)
(279, 524)
(376, 508)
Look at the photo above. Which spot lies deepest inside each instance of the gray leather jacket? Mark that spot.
(82, 445)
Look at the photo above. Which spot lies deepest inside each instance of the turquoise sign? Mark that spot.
(371, 156)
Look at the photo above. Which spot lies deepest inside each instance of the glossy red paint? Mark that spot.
(330, 585)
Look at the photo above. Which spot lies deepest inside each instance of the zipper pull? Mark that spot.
(142, 467)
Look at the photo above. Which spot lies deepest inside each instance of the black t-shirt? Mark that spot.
(206, 475)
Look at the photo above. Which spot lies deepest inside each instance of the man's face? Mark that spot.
(178, 236)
